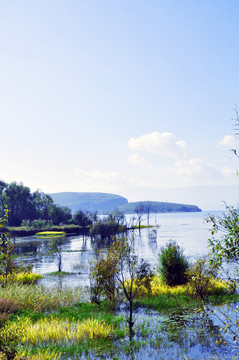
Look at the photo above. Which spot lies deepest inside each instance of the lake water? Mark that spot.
(189, 230)
(177, 335)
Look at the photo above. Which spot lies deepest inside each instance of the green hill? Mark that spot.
(158, 207)
(92, 201)
(103, 203)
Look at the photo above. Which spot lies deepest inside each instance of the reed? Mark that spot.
(158, 288)
(41, 354)
(25, 278)
(57, 331)
(37, 298)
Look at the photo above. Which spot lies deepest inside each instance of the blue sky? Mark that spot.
(118, 96)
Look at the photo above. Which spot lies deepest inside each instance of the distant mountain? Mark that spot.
(206, 197)
(92, 201)
(159, 207)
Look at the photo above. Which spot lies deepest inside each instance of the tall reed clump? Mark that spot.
(37, 298)
(46, 354)
(57, 331)
(25, 278)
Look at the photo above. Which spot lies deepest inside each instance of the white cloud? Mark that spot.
(137, 160)
(158, 143)
(230, 141)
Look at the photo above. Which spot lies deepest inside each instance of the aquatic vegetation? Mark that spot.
(40, 353)
(158, 288)
(37, 298)
(23, 278)
(47, 234)
(54, 330)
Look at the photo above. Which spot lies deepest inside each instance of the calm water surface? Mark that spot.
(189, 230)
(185, 335)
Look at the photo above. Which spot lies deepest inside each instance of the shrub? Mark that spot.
(105, 229)
(201, 279)
(8, 306)
(172, 264)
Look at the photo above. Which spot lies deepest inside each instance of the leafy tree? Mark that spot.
(224, 243)
(117, 272)
(106, 229)
(84, 219)
(24, 205)
(172, 264)
(18, 198)
(59, 215)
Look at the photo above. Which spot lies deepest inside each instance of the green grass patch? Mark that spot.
(142, 226)
(59, 273)
(50, 233)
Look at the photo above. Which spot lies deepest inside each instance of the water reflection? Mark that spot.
(188, 229)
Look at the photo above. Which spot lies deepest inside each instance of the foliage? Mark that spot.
(117, 272)
(224, 243)
(117, 216)
(172, 264)
(7, 265)
(55, 249)
(106, 228)
(103, 277)
(8, 306)
(24, 278)
(141, 212)
(30, 207)
(83, 218)
(224, 256)
(54, 330)
(37, 298)
(37, 224)
(200, 278)
(9, 341)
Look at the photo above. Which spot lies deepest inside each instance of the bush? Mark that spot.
(105, 229)
(8, 306)
(172, 264)
(200, 277)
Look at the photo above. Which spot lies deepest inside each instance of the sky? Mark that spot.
(128, 97)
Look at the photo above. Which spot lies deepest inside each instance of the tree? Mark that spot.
(140, 213)
(118, 272)
(106, 229)
(148, 210)
(224, 243)
(55, 249)
(18, 199)
(84, 219)
(118, 216)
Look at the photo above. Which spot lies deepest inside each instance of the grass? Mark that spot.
(58, 331)
(61, 325)
(22, 278)
(37, 298)
(47, 329)
(47, 234)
